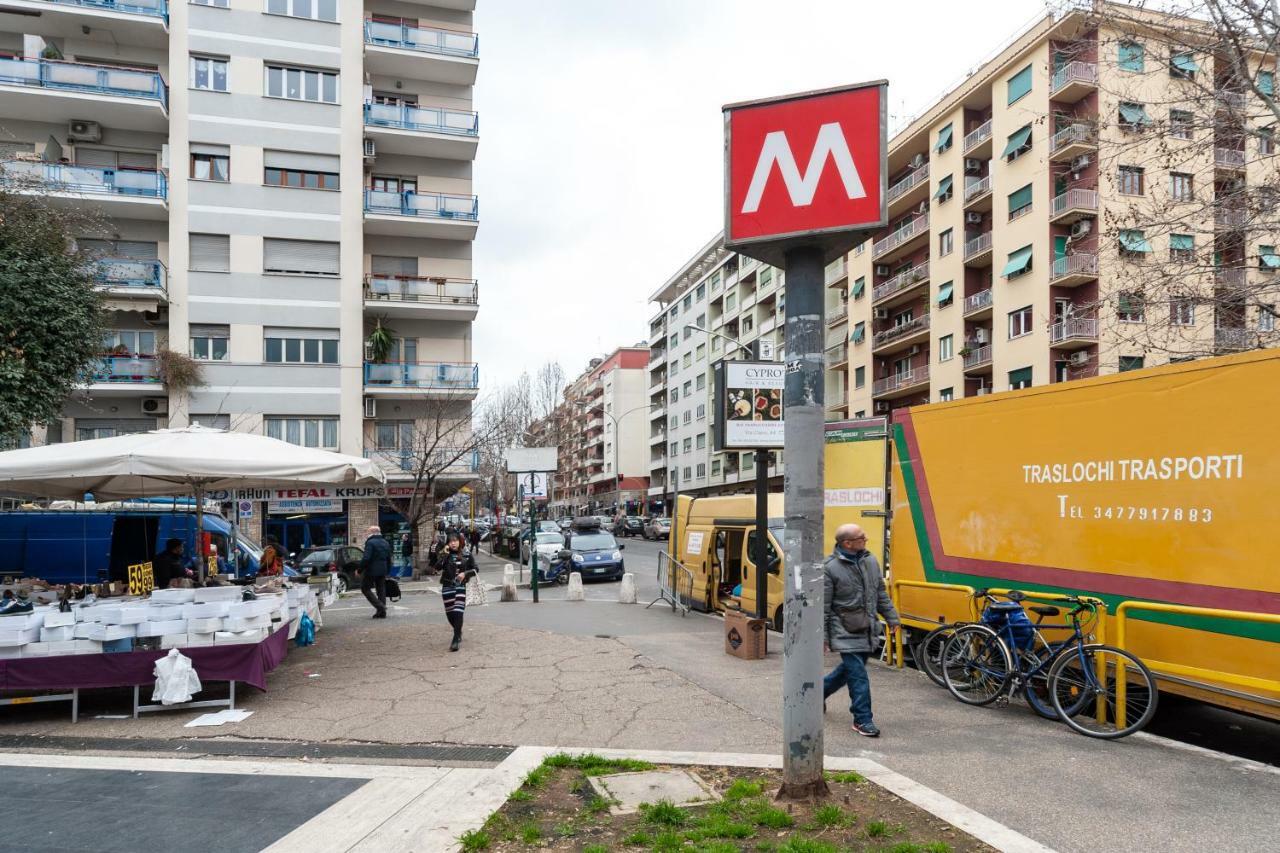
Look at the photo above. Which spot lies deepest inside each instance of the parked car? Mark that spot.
(345, 560)
(548, 526)
(657, 528)
(565, 522)
(596, 554)
(549, 544)
(629, 525)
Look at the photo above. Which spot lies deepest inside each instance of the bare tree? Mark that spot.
(503, 420)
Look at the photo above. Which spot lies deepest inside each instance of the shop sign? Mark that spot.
(300, 493)
(749, 404)
(282, 507)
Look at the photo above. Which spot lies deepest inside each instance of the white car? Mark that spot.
(549, 544)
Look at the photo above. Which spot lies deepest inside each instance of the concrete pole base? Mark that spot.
(576, 592)
(509, 591)
(627, 590)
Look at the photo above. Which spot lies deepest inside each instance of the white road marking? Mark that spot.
(1235, 760)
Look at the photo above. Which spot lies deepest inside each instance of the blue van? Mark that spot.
(94, 545)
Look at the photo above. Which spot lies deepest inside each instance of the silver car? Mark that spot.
(657, 528)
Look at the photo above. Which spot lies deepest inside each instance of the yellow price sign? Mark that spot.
(142, 579)
(213, 565)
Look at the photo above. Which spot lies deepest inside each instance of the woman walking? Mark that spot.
(457, 566)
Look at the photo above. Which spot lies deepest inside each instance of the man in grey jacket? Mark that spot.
(853, 593)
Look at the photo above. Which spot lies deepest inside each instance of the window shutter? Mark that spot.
(136, 159)
(210, 252)
(136, 250)
(1020, 84)
(300, 256)
(100, 158)
(1020, 198)
(393, 265)
(300, 160)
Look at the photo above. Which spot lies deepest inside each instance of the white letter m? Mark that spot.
(776, 149)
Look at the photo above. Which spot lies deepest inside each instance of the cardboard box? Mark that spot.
(257, 635)
(35, 650)
(206, 625)
(205, 610)
(200, 639)
(109, 633)
(134, 614)
(745, 636)
(173, 596)
(173, 641)
(123, 644)
(224, 594)
(163, 628)
(16, 636)
(57, 634)
(164, 612)
(58, 619)
(247, 623)
(88, 647)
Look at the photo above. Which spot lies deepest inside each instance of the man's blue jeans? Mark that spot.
(853, 672)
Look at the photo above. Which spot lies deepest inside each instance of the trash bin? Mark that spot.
(745, 636)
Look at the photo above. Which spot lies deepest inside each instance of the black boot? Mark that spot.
(455, 619)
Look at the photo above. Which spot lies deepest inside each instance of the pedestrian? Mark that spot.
(168, 565)
(374, 567)
(853, 593)
(406, 551)
(475, 539)
(457, 566)
(272, 560)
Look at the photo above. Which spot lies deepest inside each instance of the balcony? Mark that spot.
(976, 304)
(1073, 270)
(1073, 333)
(901, 383)
(421, 53)
(977, 250)
(422, 297)
(133, 193)
(1073, 81)
(902, 284)
(1230, 280)
(657, 411)
(125, 278)
(902, 334)
(837, 272)
(415, 214)
(1229, 99)
(124, 375)
(837, 398)
(1231, 217)
(1233, 339)
(911, 188)
(978, 359)
(56, 92)
(901, 238)
(1072, 205)
(837, 357)
(445, 463)
(434, 379)
(422, 131)
(1229, 159)
(977, 193)
(838, 315)
(1072, 141)
(977, 139)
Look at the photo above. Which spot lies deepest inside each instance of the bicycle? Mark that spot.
(1073, 680)
(928, 652)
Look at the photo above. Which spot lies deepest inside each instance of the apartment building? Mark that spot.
(279, 179)
(717, 303)
(1027, 207)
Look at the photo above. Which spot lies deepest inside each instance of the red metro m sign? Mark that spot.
(807, 168)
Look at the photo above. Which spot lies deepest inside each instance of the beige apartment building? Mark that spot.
(1034, 208)
(279, 178)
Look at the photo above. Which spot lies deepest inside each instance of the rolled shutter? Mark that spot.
(300, 160)
(210, 252)
(136, 159)
(101, 158)
(391, 265)
(310, 257)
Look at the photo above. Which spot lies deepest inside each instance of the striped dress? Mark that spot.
(455, 571)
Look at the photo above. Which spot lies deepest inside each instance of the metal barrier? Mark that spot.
(675, 584)
(894, 593)
(1177, 669)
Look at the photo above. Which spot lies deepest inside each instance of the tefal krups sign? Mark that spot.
(806, 168)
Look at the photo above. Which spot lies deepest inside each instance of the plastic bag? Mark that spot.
(176, 679)
(306, 632)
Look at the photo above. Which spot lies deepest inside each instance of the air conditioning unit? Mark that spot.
(368, 351)
(882, 407)
(79, 130)
(972, 165)
(973, 218)
(881, 313)
(915, 350)
(370, 151)
(917, 161)
(370, 407)
(1080, 228)
(155, 405)
(980, 335)
(982, 392)
(1079, 359)
(1079, 164)
(882, 269)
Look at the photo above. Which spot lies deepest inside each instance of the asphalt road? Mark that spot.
(639, 555)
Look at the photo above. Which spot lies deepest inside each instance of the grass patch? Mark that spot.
(937, 847)
(762, 813)
(537, 777)
(716, 847)
(521, 795)
(848, 777)
(741, 789)
(474, 840)
(877, 829)
(805, 845)
(595, 848)
(830, 817)
(663, 813)
(595, 765)
(638, 839)
(531, 833)
(667, 842)
(719, 825)
(599, 804)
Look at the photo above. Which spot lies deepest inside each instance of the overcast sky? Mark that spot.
(601, 140)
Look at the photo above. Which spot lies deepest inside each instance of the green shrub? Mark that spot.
(741, 789)
(531, 833)
(474, 840)
(830, 816)
(877, 829)
(663, 813)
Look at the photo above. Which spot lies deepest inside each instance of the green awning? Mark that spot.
(1134, 114)
(944, 187)
(859, 332)
(859, 286)
(944, 139)
(1182, 242)
(1019, 199)
(1017, 141)
(1185, 62)
(1267, 82)
(1134, 241)
(1019, 262)
(944, 293)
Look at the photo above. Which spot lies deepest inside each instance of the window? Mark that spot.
(1267, 318)
(702, 470)
(688, 333)
(299, 257)
(946, 294)
(302, 84)
(687, 360)
(1020, 322)
(700, 294)
(392, 184)
(688, 389)
(1019, 263)
(702, 381)
(686, 303)
(748, 461)
(859, 332)
(1018, 143)
(701, 352)
(1129, 307)
(946, 395)
(715, 467)
(946, 242)
(1181, 187)
(1131, 362)
(300, 179)
(1267, 83)
(859, 288)
(675, 395)
(702, 411)
(1132, 180)
(702, 441)
(300, 346)
(715, 345)
(1020, 84)
(1020, 378)
(944, 139)
(859, 377)
(945, 190)
(674, 341)
(675, 448)
(208, 73)
(1267, 258)
(688, 445)
(1130, 56)
(305, 432)
(210, 252)
(1180, 122)
(1182, 247)
(730, 301)
(320, 10)
(220, 4)
(701, 321)
(209, 343)
(1133, 116)
(686, 418)
(211, 167)
(1019, 202)
(1134, 244)
(1266, 140)
(946, 347)
(129, 342)
(1182, 311)
(674, 423)
(1183, 65)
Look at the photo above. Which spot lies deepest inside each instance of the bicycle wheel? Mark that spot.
(928, 653)
(976, 665)
(1036, 685)
(1080, 677)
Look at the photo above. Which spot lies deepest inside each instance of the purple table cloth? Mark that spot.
(247, 662)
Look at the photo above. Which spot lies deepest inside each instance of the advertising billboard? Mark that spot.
(749, 405)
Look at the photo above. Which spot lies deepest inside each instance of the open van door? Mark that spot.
(773, 610)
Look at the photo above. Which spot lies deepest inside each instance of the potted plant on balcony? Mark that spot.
(380, 343)
(965, 350)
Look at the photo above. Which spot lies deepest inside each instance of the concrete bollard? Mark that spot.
(576, 592)
(509, 591)
(627, 590)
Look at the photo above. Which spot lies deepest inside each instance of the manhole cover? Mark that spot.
(629, 790)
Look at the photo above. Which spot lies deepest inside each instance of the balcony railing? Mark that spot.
(401, 288)
(141, 368)
(1076, 328)
(459, 376)
(977, 357)
(1074, 199)
(1232, 279)
(1228, 157)
(84, 77)
(1074, 72)
(1080, 263)
(1232, 216)
(914, 228)
(838, 270)
(439, 461)
(918, 176)
(900, 282)
(901, 330)
(430, 205)
(977, 245)
(126, 272)
(976, 187)
(977, 301)
(426, 119)
(838, 354)
(1232, 338)
(1234, 100)
(152, 8)
(905, 379)
(1072, 134)
(89, 180)
(977, 136)
(429, 40)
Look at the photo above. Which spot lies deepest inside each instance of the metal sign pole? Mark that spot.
(761, 555)
(533, 548)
